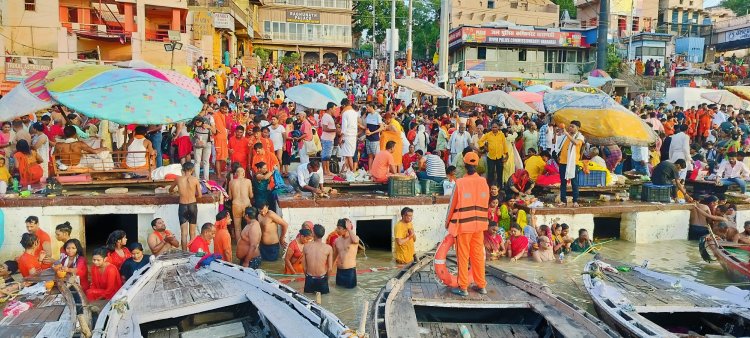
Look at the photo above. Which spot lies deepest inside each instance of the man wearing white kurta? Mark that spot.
(458, 142)
(349, 127)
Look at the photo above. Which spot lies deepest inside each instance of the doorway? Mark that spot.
(98, 227)
(606, 227)
(376, 234)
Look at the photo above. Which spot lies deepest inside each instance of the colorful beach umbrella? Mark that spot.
(533, 100)
(315, 95)
(27, 97)
(583, 88)
(499, 99)
(539, 88)
(121, 95)
(603, 120)
(174, 78)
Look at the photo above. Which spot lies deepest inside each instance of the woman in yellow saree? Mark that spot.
(392, 132)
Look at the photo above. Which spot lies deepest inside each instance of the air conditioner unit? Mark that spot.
(266, 36)
(101, 28)
(75, 26)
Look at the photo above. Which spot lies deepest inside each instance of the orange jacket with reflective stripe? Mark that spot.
(467, 211)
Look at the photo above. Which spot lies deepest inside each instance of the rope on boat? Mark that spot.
(592, 247)
(121, 305)
(10, 295)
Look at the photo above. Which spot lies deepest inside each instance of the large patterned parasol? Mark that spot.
(315, 95)
(121, 95)
(27, 97)
(603, 120)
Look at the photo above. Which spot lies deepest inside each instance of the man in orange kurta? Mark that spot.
(467, 221)
(223, 241)
(239, 147)
(221, 138)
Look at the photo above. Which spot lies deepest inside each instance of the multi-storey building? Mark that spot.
(682, 17)
(520, 12)
(319, 30)
(626, 17)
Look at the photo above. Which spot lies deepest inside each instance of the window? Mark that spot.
(482, 53)
(635, 26)
(490, 3)
(267, 27)
(522, 55)
(681, 2)
(685, 17)
(513, 5)
(29, 5)
(329, 3)
(675, 16)
(622, 23)
(314, 3)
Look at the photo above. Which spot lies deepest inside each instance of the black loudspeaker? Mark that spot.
(443, 106)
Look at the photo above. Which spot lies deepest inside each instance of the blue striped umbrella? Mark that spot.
(315, 95)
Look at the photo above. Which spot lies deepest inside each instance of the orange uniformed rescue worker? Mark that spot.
(467, 220)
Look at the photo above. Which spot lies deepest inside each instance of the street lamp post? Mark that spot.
(171, 47)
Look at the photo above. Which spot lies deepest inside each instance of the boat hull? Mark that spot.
(736, 270)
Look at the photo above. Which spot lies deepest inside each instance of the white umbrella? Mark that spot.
(694, 71)
(727, 98)
(315, 95)
(500, 99)
(423, 86)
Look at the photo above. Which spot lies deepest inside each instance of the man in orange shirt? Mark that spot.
(202, 242)
(45, 242)
(467, 221)
(384, 166)
(239, 147)
(261, 155)
(222, 241)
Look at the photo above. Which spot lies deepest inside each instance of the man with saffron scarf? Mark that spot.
(222, 241)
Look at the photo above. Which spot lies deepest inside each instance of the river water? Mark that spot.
(678, 257)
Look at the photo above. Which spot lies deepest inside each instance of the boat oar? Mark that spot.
(592, 247)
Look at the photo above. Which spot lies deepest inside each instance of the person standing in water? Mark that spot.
(317, 262)
(241, 195)
(271, 242)
(248, 251)
(190, 191)
(345, 254)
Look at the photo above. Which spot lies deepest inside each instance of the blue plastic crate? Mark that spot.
(593, 179)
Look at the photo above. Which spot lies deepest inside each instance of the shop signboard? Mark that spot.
(516, 37)
(302, 16)
(223, 20)
(202, 24)
(17, 72)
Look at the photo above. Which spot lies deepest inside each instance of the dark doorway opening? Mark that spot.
(98, 228)
(606, 227)
(376, 234)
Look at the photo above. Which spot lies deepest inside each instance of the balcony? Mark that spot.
(95, 31)
(231, 7)
(336, 4)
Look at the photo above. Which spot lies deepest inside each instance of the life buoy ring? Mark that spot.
(441, 270)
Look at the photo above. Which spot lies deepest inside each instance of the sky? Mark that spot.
(710, 3)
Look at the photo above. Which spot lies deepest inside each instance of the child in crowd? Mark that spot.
(493, 212)
(4, 176)
(517, 244)
(493, 242)
(450, 180)
(560, 238)
(582, 243)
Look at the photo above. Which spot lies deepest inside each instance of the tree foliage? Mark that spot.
(291, 59)
(362, 17)
(263, 54)
(566, 4)
(614, 61)
(739, 7)
(426, 30)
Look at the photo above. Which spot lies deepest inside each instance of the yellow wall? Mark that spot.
(31, 32)
(111, 50)
(472, 12)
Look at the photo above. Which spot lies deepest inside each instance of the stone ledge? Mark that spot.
(98, 200)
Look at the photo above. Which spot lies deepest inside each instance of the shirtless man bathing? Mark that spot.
(241, 195)
(317, 262)
(161, 240)
(248, 244)
(189, 189)
(345, 254)
(270, 240)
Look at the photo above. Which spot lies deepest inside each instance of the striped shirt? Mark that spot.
(434, 166)
(543, 141)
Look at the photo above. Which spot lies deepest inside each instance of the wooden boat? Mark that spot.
(738, 269)
(415, 304)
(60, 312)
(170, 298)
(644, 303)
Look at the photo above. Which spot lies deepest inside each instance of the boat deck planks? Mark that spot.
(644, 290)
(420, 287)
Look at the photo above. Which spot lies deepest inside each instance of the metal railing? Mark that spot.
(93, 29)
(578, 69)
(340, 4)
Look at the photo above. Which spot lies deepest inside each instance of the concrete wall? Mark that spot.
(654, 226)
(49, 217)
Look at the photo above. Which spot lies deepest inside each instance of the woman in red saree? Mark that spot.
(74, 262)
(105, 279)
(519, 184)
(27, 163)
